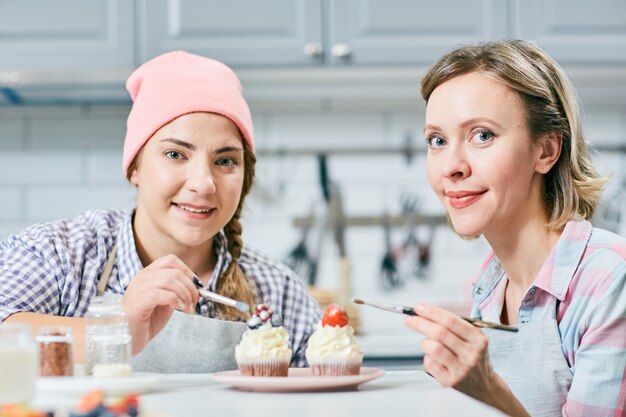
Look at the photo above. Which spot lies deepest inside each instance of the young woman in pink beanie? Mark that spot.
(189, 151)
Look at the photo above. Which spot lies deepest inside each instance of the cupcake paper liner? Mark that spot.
(336, 366)
(270, 367)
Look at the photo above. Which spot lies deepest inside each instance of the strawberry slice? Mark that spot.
(90, 401)
(125, 406)
(335, 316)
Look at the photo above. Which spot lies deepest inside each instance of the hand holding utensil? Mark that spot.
(239, 305)
(410, 312)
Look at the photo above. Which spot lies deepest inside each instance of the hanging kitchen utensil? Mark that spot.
(322, 166)
(317, 234)
(332, 195)
(423, 252)
(344, 286)
(322, 222)
(298, 258)
(408, 251)
(390, 278)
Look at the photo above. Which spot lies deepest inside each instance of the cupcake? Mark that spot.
(333, 349)
(264, 347)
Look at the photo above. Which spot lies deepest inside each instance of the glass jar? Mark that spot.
(55, 351)
(107, 338)
(18, 363)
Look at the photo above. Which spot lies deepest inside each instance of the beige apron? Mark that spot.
(188, 343)
(532, 363)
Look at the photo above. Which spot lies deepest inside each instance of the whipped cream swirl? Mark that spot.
(264, 342)
(329, 341)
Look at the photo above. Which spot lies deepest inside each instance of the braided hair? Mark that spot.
(233, 283)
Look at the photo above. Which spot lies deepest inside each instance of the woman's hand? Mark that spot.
(153, 295)
(456, 354)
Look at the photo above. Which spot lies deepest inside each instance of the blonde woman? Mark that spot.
(508, 160)
(189, 151)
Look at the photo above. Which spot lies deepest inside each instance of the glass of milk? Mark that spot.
(19, 363)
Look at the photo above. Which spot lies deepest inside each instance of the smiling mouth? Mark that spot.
(463, 199)
(193, 210)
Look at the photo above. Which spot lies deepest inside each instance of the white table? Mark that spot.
(396, 394)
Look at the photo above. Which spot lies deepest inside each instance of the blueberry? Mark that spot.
(276, 320)
(254, 322)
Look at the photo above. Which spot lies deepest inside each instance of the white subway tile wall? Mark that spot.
(58, 162)
(53, 167)
(11, 203)
(12, 131)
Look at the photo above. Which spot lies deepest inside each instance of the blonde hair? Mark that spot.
(233, 283)
(572, 187)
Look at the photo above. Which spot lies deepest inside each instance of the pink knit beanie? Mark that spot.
(178, 83)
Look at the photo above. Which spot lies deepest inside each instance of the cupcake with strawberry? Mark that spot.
(333, 349)
(264, 347)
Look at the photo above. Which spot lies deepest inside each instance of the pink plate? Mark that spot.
(299, 380)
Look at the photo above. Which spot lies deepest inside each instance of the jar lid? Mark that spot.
(55, 334)
(10, 333)
(106, 303)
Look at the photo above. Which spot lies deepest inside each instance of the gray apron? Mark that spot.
(188, 343)
(533, 365)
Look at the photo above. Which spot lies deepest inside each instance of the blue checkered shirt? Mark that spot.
(53, 268)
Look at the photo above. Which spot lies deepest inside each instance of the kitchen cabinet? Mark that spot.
(390, 32)
(120, 34)
(237, 32)
(574, 32)
(83, 50)
(317, 32)
(377, 32)
(66, 34)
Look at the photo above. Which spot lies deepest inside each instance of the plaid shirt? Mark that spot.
(53, 268)
(585, 274)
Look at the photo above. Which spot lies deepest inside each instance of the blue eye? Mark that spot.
(174, 155)
(435, 142)
(226, 162)
(483, 136)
